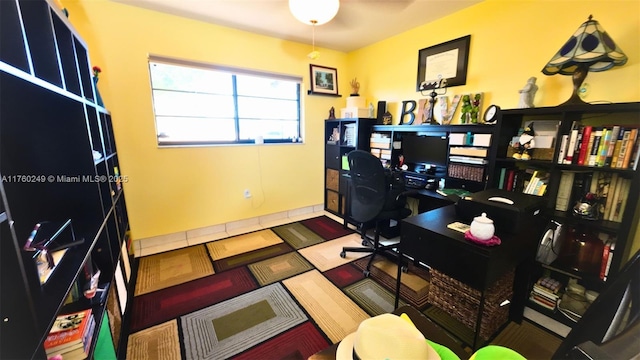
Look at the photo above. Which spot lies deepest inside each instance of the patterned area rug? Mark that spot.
(250, 257)
(279, 267)
(165, 304)
(330, 308)
(298, 343)
(372, 297)
(236, 245)
(344, 275)
(298, 235)
(171, 268)
(415, 282)
(230, 327)
(326, 255)
(326, 227)
(159, 342)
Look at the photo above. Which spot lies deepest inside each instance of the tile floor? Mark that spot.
(158, 244)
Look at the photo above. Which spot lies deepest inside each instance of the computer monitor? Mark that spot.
(422, 150)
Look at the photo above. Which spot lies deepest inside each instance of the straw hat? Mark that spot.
(386, 336)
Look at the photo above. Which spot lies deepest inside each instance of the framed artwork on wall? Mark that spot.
(324, 80)
(447, 61)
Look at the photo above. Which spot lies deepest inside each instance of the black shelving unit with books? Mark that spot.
(588, 169)
(63, 221)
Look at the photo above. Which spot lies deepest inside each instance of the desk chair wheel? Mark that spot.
(365, 243)
(405, 269)
(366, 273)
(343, 254)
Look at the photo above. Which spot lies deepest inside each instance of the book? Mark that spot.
(615, 205)
(605, 259)
(584, 145)
(564, 144)
(82, 352)
(612, 248)
(564, 190)
(610, 191)
(635, 156)
(622, 200)
(594, 147)
(503, 172)
(615, 130)
(630, 145)
(602, 150)
(616, 149)
(573, 138)
(623, 148)
(509, 184)
(67, 331)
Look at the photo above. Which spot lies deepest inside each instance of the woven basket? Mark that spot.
(463, 302)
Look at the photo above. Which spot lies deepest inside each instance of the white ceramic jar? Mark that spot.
(482, 227)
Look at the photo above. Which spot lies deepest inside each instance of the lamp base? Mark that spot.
(578, 78)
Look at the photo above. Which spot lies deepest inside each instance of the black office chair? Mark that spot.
(375, 197)
(610, 328)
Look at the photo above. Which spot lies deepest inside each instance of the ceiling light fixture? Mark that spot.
(314, 12)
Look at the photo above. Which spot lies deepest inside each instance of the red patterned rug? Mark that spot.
(251, 257)
(344, 275)
(326, 227)
(166, 304)
(297, 343)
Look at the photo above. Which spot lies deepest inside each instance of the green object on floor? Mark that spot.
(104, 345)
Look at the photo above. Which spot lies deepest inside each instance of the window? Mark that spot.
(200, 104)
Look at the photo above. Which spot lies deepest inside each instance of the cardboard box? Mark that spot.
(352, 112)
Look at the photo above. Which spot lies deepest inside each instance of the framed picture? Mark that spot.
(324, 80)
(444, 61)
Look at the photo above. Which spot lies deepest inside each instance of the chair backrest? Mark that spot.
(613, 318)
(368, 190)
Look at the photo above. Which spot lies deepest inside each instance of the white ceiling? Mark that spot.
(358, 23)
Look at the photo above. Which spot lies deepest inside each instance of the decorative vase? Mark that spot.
(98, 97)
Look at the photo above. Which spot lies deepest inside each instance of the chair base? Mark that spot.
(385, 250)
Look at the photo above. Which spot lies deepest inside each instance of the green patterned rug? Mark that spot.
(297, 235)
(372, 297)
(230, 327)
(279, 267)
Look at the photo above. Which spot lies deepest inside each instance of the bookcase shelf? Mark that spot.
(50, 129)
(585, 179)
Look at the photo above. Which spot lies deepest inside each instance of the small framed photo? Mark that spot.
(446, 61)
(324, 80)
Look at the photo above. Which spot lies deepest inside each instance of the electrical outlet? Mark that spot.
(247, 193)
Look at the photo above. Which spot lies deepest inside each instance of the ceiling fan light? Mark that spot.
(314, 12)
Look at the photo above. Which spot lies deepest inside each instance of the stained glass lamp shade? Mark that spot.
(590, 48)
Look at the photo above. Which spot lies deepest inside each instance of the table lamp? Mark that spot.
(590, 48)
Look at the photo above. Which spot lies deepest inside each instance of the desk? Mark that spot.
(430, 331)
(426, 239)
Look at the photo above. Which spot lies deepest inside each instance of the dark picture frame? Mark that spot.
(448, 61)
(324, 80)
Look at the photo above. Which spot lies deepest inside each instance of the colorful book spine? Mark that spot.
(612, 144)
(584, 145)
(571, 148)
(564, 144)
(630, 146)
(594, 147)
(616, 149)
(623, 148)
(604, 145)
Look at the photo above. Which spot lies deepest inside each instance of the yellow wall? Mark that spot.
(178, 189)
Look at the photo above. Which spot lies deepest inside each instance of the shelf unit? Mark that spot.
(453, 180)
(51, 128)
(568, 117)
(341, 137)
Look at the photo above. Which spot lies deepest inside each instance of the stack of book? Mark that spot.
(545, 293)
(71, 336)
(608, 146)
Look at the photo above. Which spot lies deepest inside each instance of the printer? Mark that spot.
(510, 211)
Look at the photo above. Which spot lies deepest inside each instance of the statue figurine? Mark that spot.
(527, 94)
(332, 113)
(524, 144)
(355, 87)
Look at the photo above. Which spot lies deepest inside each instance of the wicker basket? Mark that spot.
(463, 302)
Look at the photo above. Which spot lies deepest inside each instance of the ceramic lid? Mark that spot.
(483, 219)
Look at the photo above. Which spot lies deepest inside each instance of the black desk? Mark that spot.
(426, 239)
